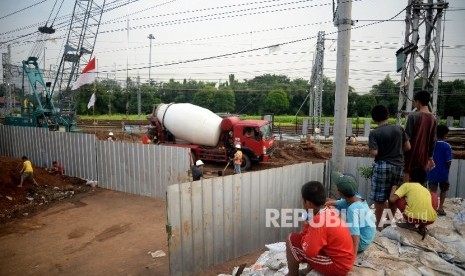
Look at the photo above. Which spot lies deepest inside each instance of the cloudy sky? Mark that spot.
(226, 36)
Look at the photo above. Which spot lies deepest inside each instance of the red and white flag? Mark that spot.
(87, 76)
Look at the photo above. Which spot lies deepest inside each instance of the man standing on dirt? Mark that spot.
(237, 159)
(27, 172)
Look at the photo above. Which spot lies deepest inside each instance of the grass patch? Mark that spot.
(116, 117)
(282, 120)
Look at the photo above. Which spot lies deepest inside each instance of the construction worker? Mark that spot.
(111, 137)
(237, 159)
(27, 172)
(352, 139)
(197, 170)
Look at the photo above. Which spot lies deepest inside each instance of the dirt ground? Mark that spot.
(100, 232)
(64, 226)
(21, 202)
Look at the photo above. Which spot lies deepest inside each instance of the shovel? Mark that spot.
(221, 173)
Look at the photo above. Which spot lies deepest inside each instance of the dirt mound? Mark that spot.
(16, 202)
(296, 152)
(102, 134)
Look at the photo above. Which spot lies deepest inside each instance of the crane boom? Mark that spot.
(79, 48)
(37, 106)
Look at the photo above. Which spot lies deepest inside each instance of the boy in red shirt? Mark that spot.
(325, 243)
(56, 168)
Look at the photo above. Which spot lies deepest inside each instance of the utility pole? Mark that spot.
(44, 60)
(151, 37)
(418, 14)
(344, 24)
(316, 84)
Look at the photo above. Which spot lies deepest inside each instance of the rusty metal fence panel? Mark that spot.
(456, 175)
(75, 151)
(218, 219)
(141, 169)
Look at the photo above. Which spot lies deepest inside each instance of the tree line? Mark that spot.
(268, 93)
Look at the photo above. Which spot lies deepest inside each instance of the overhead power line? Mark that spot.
(64, 23)
(255, 49)
(23, 9)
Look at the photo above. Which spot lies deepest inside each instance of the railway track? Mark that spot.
(456, 138)
(110, 124)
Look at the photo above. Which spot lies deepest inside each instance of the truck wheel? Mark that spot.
(246, 163)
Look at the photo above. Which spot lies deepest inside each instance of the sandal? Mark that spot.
(406, 225)
(422, 231)
(441, 212)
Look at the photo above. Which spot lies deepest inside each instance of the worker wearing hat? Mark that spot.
(237, 159)
(197, 170)
(359, 217)
(111, 137)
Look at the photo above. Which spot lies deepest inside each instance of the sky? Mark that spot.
(188, 30)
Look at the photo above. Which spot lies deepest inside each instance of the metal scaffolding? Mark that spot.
(7, 81)
(78, 51)
(316, 84)
(427, 15)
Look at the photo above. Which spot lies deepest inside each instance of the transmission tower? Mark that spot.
(7, 80)
(426, 17)
(316, 83)
(78, 51)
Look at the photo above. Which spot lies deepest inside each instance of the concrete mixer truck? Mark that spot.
(210, 137)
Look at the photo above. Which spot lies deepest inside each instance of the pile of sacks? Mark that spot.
(394, 251)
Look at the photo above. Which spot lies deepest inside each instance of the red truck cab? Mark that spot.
(254, 136)
(256, 139)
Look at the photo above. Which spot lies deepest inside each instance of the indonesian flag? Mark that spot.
(87, 76)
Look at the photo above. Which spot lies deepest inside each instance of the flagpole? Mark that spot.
(93, 109)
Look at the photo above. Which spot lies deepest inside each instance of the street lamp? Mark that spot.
(150, 55)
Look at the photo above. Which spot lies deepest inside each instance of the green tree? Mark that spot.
(387, 94)
(297, 94)
(364, 104)
(452, 97)
(269, 82)
(223, 100)
(277, 102)
(329, 90)
(204, 97)
(352, 110)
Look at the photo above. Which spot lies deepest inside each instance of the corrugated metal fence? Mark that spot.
(75, 151)
(141, 169)
(456, 175)
(222, 218)
(133, 168)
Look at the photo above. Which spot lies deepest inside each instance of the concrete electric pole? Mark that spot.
(151, 37)
(419, 15)
(138, 98)
(344, 24)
